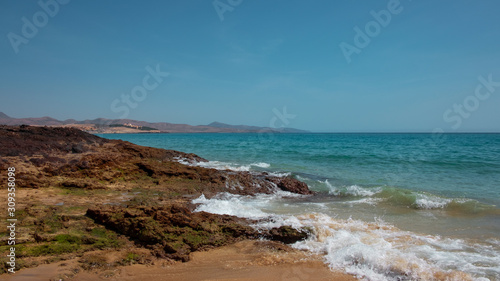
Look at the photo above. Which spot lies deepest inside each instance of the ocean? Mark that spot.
(389, 206)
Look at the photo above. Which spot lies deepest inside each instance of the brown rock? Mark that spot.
(172, 231)
(28, 140)
(291, 185)
(83, 160)
(287, 234)
(70, 158)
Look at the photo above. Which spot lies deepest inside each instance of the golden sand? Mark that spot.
(246, 260)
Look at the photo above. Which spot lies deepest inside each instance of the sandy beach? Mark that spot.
(245, 260)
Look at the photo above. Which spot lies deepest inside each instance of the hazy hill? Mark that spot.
(254, 128)
(103, 125)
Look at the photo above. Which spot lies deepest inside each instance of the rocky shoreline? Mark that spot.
(80, 193)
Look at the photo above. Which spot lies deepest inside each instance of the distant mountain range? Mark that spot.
(103, 125)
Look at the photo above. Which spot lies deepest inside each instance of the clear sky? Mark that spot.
(346, 65)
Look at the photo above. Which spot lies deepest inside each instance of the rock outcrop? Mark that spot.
(154, 189)
(172, 231)
(71, 158)
(175, 231)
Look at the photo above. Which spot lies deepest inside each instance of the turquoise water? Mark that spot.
(444, 185)
(453, 165)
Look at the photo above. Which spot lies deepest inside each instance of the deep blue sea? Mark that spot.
(390, 206)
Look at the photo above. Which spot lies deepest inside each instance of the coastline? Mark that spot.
(360, 217)
(80, 197)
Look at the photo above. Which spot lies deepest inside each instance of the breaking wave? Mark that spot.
(219, 165)
(403, 198)
(372, 251)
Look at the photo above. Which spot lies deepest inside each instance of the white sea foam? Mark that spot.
(219, 165)
(224, 166)
(369, 201)
(375, 195)
(351, 190)
(356, 190)
(229, 204)
(377, 251)
(244, 206)
(183, 160)
(261, 165)
(372, 251)
(278, 174)
(426, 201)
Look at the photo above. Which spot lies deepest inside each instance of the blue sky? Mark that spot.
(419, 71)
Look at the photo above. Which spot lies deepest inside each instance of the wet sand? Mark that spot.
(246, 260)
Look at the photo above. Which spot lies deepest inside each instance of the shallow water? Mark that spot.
(408, 206)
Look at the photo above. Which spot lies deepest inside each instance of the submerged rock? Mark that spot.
(287, 234)
(291, 185)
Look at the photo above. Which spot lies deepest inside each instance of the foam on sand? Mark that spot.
(373, 251)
